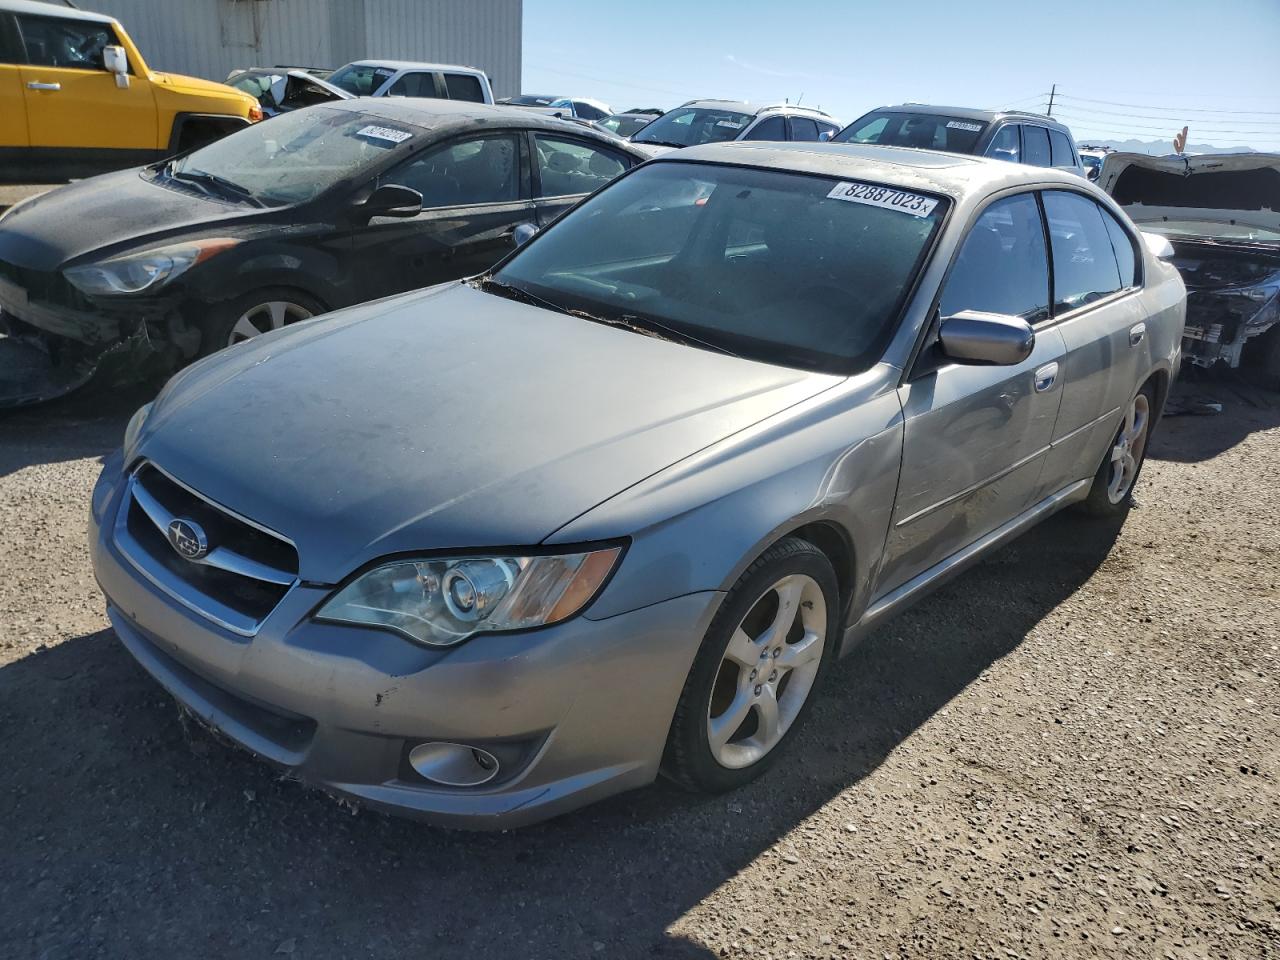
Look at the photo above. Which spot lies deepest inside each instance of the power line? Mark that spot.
(1139, 106)
(1146, 116)
(1269, 134)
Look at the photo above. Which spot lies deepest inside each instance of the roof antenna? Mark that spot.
(799, 98)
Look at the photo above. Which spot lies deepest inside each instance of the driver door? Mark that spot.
(73, 102)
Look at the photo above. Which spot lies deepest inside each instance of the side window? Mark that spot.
(463, 86)
(1035, 146)
(803, 128)
(1002, 266)
(869, 132)
(568, 167)
(413, 85)
(478, 170)
(1004, 145)
(770, 128)
(71, 44)
(1060, 147)
(10, 46)
(1084, 264)
(1122, 245)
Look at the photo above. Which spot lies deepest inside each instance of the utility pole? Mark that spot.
(1052, 93)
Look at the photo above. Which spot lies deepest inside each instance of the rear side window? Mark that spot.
(1122, 246)
(479, 170)
(1060, 148)
(1035, 146)
(803, 128)
(1005, 145)
(568, 167)
(1084, 261)
(463, 86)
(1002, 266)
(69, 44)
(415, 84)
(770, 128)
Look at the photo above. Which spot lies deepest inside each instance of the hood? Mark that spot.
(194, 85)
(446, 419)
(1211, 189)
(116, 209)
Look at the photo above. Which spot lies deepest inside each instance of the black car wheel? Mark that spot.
(255, 313)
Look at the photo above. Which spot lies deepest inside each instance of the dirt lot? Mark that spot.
(1072, 751)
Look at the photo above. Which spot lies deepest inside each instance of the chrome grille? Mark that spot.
(245, 572)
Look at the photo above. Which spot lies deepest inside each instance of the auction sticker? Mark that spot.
(872, 195)
(384, 133)
(963, 125)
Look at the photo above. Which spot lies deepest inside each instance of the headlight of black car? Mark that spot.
(146, 270)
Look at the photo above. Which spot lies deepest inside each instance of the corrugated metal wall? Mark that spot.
(209, 38)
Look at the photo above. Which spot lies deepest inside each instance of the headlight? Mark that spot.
(135, 426)
(443, 602)
(136, 272)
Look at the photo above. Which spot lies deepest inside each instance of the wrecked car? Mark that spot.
(319, 208)
(281, 89)
(1221, 213)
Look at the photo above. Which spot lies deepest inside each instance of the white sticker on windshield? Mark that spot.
(384, 133)
(872, 195)
(962, 125)
(731, 124)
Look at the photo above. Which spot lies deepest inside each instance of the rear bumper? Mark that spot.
(577, 711)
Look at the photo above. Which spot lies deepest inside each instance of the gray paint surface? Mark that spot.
(210, 38)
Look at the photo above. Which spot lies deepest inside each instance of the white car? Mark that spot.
(403, 78)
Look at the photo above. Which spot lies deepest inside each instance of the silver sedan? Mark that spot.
(488, 551)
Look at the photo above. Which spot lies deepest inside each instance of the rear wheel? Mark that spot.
(253, 314)
(1112, 490)
(753, 679)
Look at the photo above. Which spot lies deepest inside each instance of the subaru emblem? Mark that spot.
(187, 537)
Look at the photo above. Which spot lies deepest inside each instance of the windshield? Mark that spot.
(690, 126)
(784, 268)
(295, 156)
(925, 130)
(361, 79)
(624, 126)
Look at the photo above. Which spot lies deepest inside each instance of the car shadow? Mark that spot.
(1237, 407)
(87, 423)
(128, 832)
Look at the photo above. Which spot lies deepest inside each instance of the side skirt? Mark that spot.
(925, 583)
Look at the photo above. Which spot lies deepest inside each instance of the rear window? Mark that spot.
(925, 130)
(463, 86)
(780, 267)
(1060, 147)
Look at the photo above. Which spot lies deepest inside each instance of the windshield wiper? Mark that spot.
(490, 285)
(661, 143)
(206, 179)
(650, 324)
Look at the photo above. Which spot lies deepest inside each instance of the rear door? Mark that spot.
(566, 169)
(13, 106)
(474, 193)
(803, 128)
(1035, 146)
(1099, 314)
(770, 128)
(414, 83)
(72, 101)
(975, 437)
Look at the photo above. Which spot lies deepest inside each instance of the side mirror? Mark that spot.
(1158, 245)
(1092, 173)
(972, 336)
(392, 200)
(825, 135)
(523, 234)
(115, 61)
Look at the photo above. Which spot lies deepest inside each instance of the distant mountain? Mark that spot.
(1160, 148)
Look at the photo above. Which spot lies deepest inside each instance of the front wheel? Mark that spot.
(1112, 490)
(253, 314)
(752, 680)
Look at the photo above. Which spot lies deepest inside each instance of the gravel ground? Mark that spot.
(1071, 751)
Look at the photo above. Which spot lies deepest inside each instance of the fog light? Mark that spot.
(453, 764)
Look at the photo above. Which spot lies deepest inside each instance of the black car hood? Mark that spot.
(116, 210)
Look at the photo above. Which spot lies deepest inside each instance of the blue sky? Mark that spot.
(1122, 66)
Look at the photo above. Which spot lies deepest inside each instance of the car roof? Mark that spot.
(952, 174)
(35, 8)
(969, 113)
(752, 107)
(440, 115)
(408, 65)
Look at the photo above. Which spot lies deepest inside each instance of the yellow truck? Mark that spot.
(77, 99)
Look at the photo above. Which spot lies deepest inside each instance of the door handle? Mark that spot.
(1136, 333)
(1046, 377)
(37, 85)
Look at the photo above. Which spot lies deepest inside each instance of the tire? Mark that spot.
(1262, 357)
(262, 310)
(1112, 492)
(721, 695)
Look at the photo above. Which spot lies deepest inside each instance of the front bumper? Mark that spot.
(581, 709)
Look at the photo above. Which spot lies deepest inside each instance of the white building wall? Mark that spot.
(210, 38)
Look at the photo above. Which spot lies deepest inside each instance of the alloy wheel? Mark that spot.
(1126, 454)
(767, 671)
(266, 316)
